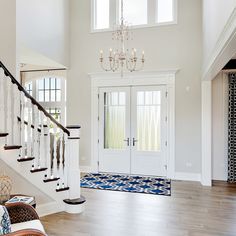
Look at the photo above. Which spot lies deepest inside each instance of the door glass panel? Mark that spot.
(114, 120)
(149, 120)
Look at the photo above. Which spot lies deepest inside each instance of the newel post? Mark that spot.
(76, 202)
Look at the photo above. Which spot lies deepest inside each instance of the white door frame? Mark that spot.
(166, 78)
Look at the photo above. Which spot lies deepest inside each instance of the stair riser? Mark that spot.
(23, 169)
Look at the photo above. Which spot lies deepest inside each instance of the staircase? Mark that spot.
(37, 147)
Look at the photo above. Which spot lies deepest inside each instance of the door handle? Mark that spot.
(134, 141)
(127, 140)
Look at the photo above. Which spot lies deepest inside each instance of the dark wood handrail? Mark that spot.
(34, 102)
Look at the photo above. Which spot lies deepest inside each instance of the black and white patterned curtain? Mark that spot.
(232, 130)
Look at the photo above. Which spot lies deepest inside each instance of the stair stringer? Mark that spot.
(36, 179)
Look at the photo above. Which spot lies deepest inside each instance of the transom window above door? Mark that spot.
(139, 13)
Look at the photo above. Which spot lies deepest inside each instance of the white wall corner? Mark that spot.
(223, 51)
(206, 178)
(50, 208)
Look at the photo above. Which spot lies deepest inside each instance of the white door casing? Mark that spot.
(158, 78)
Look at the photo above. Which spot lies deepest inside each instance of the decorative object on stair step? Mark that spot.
(127, 183)
(5, 188)
(51, 179)
(58, 187)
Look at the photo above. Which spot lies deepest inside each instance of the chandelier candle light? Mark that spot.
(122, 58)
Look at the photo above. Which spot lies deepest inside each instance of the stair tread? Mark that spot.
(62, 189)
(25, 159)
(38, 170)
(50, 180)
(12, 147)
(3, 135)
(77, 201)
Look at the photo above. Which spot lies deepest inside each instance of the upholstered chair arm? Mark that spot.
(27, 232)
(20, 212)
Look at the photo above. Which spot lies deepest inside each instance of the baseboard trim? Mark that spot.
(49, 208)
(187, 176)
(86, 169)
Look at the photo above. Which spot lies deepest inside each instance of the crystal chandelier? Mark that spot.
(122, 58)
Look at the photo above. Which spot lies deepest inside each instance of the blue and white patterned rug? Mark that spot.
(127, 183)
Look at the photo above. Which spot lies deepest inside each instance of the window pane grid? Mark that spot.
(136, 13)
(49, 90)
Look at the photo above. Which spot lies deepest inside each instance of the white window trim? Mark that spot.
(143, 78)
(114, 15)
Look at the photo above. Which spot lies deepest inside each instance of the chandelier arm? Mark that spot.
(141, 66)
(102, 65)
(112, 63)
(130, 64)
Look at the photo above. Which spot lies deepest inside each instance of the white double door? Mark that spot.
(133, 130)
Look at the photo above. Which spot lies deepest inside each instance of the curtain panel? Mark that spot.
(232, 129)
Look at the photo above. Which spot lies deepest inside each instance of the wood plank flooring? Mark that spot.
(192, 210)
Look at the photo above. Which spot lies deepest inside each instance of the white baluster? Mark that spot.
(55, 170)
(2, 101)
(48, 150)
(36, 137)
(42, 141)
(61, 158)
(22, 125)
(9, 111)
(16, 113)
(29, 128)
(66, 162)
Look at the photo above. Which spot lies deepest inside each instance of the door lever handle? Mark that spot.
(127, 140)
(134, 141)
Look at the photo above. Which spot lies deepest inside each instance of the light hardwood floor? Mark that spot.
(192, 210)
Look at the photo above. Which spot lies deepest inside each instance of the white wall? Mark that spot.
(215, 16)
(167, 47)
(219, 127)
(43, 26)
(8, 34)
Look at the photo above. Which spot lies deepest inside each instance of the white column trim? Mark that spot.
(206, 179)
(134, 79)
